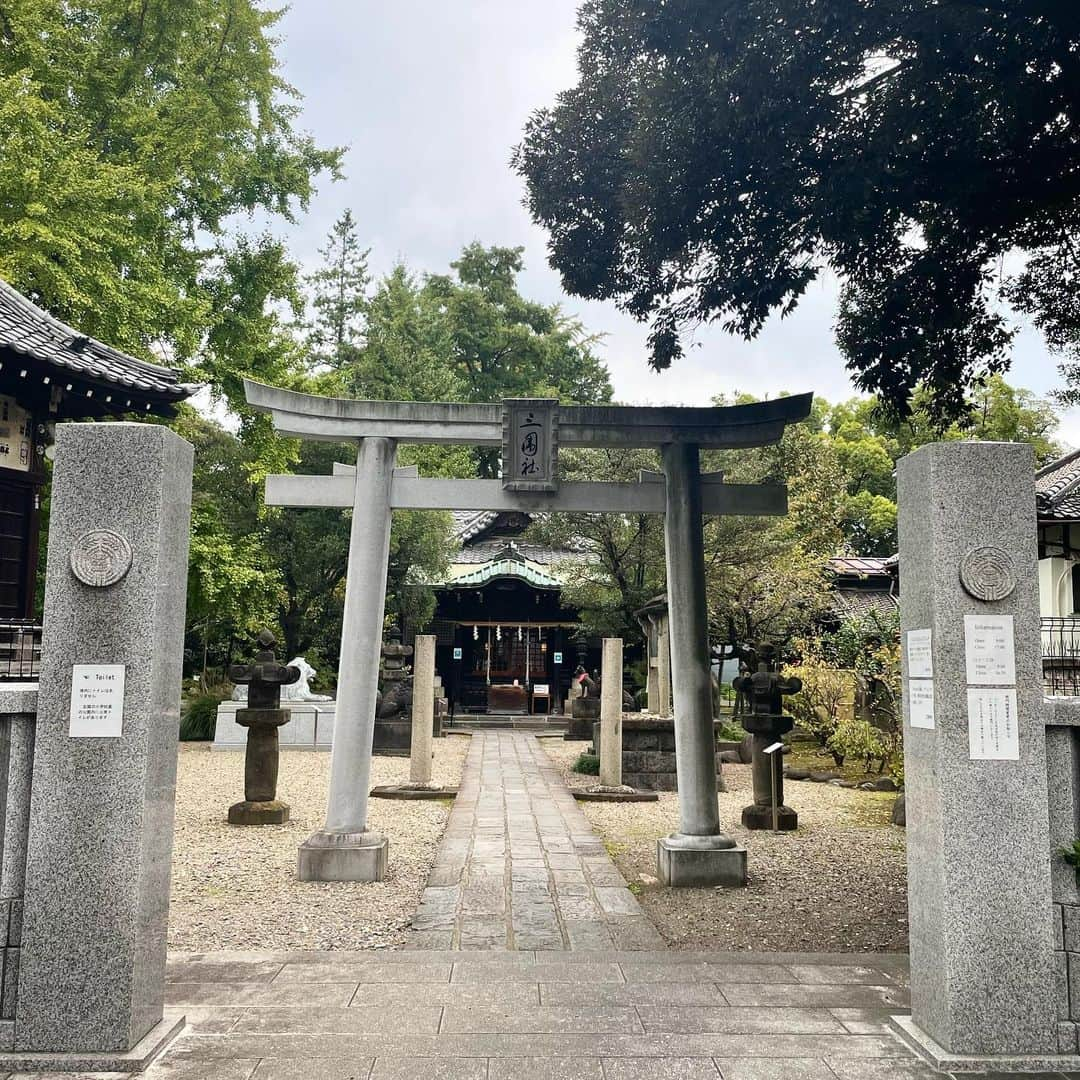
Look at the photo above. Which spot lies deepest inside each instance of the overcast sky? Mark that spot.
(430, 97)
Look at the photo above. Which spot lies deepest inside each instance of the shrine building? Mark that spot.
(506, 643)
(50, 372)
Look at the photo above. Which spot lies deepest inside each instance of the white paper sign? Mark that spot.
(921, 703)
(992, 731)
(920, 659)
(991, 657)
(97, 701)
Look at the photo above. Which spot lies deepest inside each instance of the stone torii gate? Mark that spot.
(530, 432)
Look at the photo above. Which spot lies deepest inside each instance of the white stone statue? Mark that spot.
(297, 691)
(301, 690)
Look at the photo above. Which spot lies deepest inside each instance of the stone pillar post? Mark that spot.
(423, 709)
(663, 669)
(699, 853)
(104, 778)
(344, 850)
(979, 898)
(611, 691)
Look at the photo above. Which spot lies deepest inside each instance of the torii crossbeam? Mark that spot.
(530, 432)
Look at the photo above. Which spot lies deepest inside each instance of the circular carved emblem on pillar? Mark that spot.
(987, 573)
(100, 557)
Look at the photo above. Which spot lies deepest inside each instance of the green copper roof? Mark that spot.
(506, 567)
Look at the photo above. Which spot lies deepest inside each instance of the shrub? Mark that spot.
(589, 764)
(200, 716)
(818, 707)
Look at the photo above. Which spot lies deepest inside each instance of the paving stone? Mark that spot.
(545, 1069)
(206, 971)
(634, 932)
(429, 1069)
(739, 1021)
(725, 974)
(617, 901)
(540, 1020)
(361, 1019)
(859, 997)
(666, 1069)
(845, 1069)
(240, 1069)
(361, 969)
(630, 994)
(483, 933)
(777, 1069)
(330, 994)
(865, 1021)
(586, 934)
(841, 975)
(322, 1068)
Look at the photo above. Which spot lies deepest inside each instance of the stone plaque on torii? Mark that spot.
(530, 432)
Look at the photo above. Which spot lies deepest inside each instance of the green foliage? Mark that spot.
(132, 133)
(870, 646)
(868, 443)
(589, 764)
(1071, 855)
(819, 707)
(200, 716)
(715, 158)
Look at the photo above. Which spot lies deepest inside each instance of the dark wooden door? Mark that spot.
(18, 554)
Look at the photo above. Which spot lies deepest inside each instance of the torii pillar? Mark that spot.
(530, 432)
(344, 849)
(700, 853)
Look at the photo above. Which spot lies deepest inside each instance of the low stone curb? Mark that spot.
(584, 795)
(393, 791)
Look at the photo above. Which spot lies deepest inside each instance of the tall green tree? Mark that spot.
(339, 295)
(715, 158)
(133, 131)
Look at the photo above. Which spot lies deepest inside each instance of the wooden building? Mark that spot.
(51, 372)
(506, 644)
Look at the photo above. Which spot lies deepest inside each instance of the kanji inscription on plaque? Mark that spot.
(530, 444)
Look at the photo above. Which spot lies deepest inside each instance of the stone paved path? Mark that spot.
(526, 1015)
(520, 867)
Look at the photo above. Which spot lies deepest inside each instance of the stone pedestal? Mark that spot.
(584, 713)
(343, 857)
(260, 805)
(648, 752)
(978, 843)
(92, 969)
(699, 867)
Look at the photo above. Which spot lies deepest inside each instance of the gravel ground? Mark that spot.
(837, 884)
(236, 887)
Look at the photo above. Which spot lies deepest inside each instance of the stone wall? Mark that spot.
(18, 706)
(1063, 772)
(648, 755)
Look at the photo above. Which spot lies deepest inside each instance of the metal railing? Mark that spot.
(20, 650)
(1061, 655)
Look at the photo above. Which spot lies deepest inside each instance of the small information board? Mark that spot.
(97, 701)
(921, 703)
(920, 657)
(457, 652)
(993, 734)
(558, 658)
(990, 652)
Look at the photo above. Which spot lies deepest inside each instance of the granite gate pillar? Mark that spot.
(699, 853)
(982, 948)
(96, 904)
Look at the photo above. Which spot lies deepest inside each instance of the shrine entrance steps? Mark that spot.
(537, 723)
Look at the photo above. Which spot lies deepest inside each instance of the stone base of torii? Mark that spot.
(530, 432)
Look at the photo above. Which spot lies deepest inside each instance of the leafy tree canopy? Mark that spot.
(716, 156)
(132, 132)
